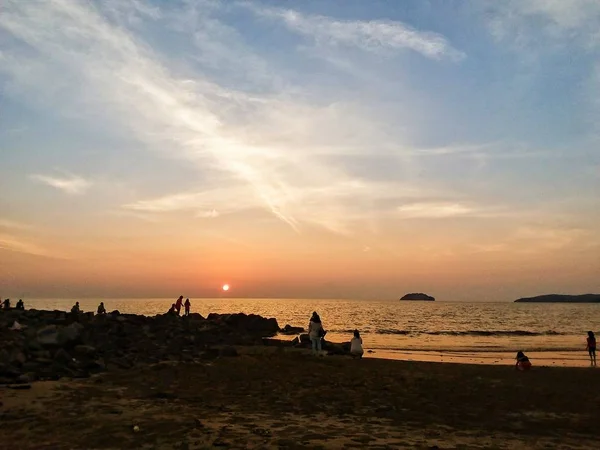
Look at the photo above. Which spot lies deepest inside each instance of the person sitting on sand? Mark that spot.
(187, 305)
(178, 304)
(591, 347)
(6, 303)
(356, 348)
(316, 332)
(75, 309)
(101, 308)
(20, 305)
(523, 362)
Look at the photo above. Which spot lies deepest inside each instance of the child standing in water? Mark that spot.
(523, 362)
(356, 348)
(591, 347)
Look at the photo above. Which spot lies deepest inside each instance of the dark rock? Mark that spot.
(61, 356)
(17, 357)
(20, 386)
(115, 313)
(209, 354)
(84, 351)
(48, 335)
(288, 329)
(418, 297)
(228, 351)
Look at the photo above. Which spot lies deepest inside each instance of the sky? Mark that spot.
(314, 149)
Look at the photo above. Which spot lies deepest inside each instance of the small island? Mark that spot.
(420, 297)
(560, 298)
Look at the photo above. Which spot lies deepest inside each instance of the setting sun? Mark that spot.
(225, 287)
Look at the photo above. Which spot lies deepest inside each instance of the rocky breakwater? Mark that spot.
(42, 345)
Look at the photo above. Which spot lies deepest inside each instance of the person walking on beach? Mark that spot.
(178, 304)
(316, 333)
(187, 305)
(101, 308)
(523, 362)
(591, 347)
(356, 348)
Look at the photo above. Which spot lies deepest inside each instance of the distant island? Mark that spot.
(418, 297)
(560, 298)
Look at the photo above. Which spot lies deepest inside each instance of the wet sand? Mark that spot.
(547, 359)
(274, 398)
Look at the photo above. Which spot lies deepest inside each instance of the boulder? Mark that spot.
(84, 351)
(288, 329)
(418, 296)
(71, 334)
(48, 335)
(228, 351)
(62, 357)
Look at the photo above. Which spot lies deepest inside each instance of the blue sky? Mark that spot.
(349, 119)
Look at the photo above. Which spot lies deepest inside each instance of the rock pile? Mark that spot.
(37, 344)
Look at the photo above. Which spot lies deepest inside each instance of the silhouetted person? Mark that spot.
(101, 308)
(178, 304)
(316, 333)
(172, 310)
(187, 305)
(6, 303)
(20, 305)
(591, 347)
(356, 348)
(523, 362)
(75, 309)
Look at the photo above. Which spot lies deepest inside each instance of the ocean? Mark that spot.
(488, 333)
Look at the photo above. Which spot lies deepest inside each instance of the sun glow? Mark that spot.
(225, 287)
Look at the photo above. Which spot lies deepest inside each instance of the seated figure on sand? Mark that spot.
(356, 348)
(6, 303)
(20, 305)
(316, 333)
(523, 362)
(101, 308)
(75, 309)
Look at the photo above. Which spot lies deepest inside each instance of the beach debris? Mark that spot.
(136, 429)
(16, 326)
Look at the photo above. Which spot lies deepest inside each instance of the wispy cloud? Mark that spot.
(372, 35)
(17, 244)
(70, 184)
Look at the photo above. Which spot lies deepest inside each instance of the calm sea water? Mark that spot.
(476, 332)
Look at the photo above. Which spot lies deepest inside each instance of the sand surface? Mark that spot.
(274, 398)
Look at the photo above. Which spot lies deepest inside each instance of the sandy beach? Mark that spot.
(272, 398)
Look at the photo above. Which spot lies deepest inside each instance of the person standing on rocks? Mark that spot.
(316, 333)
(178, 304)
(187, 305)
(6, 303)
(101, 308)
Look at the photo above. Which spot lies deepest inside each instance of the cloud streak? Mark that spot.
(371, 36)
(71, 184)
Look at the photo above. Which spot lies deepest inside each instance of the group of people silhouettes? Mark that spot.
(176, 307)
(523, 362)
(6, 304)
(316, 333)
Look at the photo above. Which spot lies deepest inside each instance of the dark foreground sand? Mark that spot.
(269, 398)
